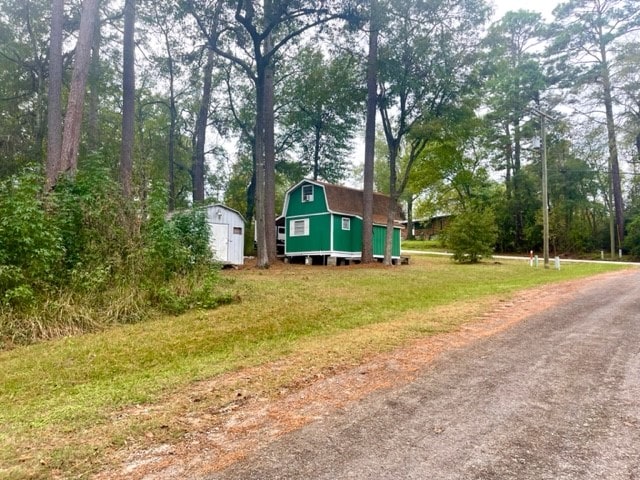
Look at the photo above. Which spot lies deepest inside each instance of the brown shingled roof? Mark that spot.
(349, 201)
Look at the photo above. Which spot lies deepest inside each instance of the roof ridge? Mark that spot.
(344, 187)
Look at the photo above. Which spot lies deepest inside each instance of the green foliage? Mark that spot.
(97, 227)
(176, 245)
(31, 246)
(632, 239)
(321, 120)
(422, 244)
(82, 257)
(188, 294)
(472, 235)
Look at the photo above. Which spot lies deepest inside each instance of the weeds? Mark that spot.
(83, 258)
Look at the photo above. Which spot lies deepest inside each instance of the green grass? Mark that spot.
(58, 398)
(422, 245)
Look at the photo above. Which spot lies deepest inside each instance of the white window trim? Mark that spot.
(305, 227)
(346, 223)
(307, 198)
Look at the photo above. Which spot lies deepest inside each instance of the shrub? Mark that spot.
(178, 244)
(632, 239)
(472, 235)
(99, 229)
(83, 258)
(31, 247)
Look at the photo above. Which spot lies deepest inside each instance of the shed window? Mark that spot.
(307, 193)
(299, 228)
(237, 230)
(346, 223)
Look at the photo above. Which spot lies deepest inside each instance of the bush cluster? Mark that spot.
(472, 235)
(81, 257)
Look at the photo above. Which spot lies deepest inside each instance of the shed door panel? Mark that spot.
(219, 241)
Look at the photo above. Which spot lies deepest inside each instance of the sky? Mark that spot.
(543, 6)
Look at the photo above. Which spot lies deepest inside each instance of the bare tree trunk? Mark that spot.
(128, 98)
(93, 130)
(54, 119)
(261, 239)
(73, 117)
(173, 113)
(316, 154)
(251, 191)
(613, 147)
(269, 159)
(370, 137)
(410, 235)
(393, 201)
(173, 117)
(265, 149)
(201, 132)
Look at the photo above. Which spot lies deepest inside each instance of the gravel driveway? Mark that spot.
(555, 397)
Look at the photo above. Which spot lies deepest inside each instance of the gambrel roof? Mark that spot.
(348, 201)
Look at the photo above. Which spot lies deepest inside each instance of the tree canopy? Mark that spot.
(238, 99)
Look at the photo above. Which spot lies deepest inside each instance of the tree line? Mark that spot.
(235, 100)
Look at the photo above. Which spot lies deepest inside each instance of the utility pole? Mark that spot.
(545, 194)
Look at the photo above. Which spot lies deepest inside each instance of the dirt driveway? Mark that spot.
(546, 385)
(557, 396)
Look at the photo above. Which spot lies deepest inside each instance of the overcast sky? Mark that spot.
(543, 6)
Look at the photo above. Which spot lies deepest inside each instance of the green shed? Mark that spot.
(325, 221)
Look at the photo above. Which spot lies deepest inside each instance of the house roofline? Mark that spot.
(335, 212)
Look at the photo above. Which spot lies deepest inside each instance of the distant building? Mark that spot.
(428, 228)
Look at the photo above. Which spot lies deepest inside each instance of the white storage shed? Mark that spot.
(226, 234)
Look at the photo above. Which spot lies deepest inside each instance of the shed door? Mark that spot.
(220, 241)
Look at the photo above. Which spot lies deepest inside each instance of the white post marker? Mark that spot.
(557, 263)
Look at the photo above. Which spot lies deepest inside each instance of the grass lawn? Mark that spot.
(64, 403)
(422, 245)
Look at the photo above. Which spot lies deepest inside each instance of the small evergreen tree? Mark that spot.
(472, 235)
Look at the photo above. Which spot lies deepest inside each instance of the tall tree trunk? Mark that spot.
(316, 153)
(54, 115)
(508, 157)
(251, 190)
(73, 117)
(613, 147)
(173, 117)
(128, 98)
(269, 158)
(265, 148)
(393, 201)
(201, 132)
(370, 136)
(261, 239)
(93, 130)
(38, 75)
(410, 234)
(172, 147)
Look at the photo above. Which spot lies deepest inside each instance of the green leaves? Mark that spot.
(31, 247)
(321, 117)
(83, 257)
(472, 235)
